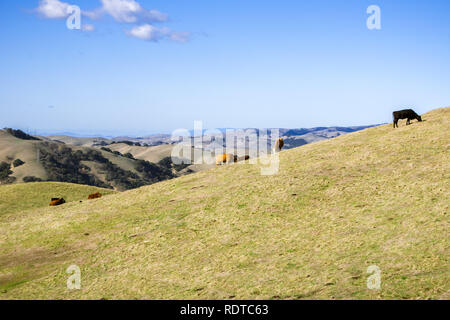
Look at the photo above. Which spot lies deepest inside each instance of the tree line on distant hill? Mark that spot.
(65, 165)
(130, 143)
(20, 134)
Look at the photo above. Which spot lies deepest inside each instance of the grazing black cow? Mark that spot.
(408, 114)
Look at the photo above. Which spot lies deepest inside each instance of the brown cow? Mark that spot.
(95, 196)
(225, 158)
(57, 202)
(279, 144)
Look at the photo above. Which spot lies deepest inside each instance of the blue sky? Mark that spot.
(228, 63)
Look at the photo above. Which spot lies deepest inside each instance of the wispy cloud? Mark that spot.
(87, 27)
(151, 33)
(53, 9)
(122, 11)
(180, 36)
(130, 11)
(146, 32)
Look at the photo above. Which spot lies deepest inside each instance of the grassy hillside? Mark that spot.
(79, 142)
(21, 197)
(374, 197)
(154, 154)
(12, 148)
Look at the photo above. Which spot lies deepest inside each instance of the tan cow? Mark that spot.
(225, 158)
(279, 144)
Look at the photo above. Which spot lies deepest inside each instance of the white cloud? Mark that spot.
(146, 32)
(53, 9)
(87, 27)
(151, 33)
(122, 11)
(130, 11)
(157, 16)
(180, 36)
(94, 14)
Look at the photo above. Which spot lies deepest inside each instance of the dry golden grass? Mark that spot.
(154, 154)
(12, 148)
(20, 197)
(375, 197)
(151, 154)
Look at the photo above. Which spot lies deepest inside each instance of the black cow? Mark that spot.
(408, 114)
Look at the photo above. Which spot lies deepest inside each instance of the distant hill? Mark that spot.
(310, 135)
(156, 147)
(377, 197)
(48, 160)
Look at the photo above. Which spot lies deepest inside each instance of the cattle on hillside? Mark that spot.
(279, 144)
(57, 202)
(408, 114)
(225, 158)
(95, 196)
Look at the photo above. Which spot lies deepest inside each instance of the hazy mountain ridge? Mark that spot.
(315, 134)
(69, 158)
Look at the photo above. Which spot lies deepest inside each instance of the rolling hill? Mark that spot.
(374, 197)
(51, 158)
(293, 137)
(48, 160)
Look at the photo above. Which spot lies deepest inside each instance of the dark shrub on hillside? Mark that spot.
(5, 170)
(153, 172)
(168, 163)
(129, 143)
(117, 153)
(106, 149)
(18, 163)
(20, 134)
(123, 179)
(31, 179)
(93, 155)
(99, 144)
(128, 155)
